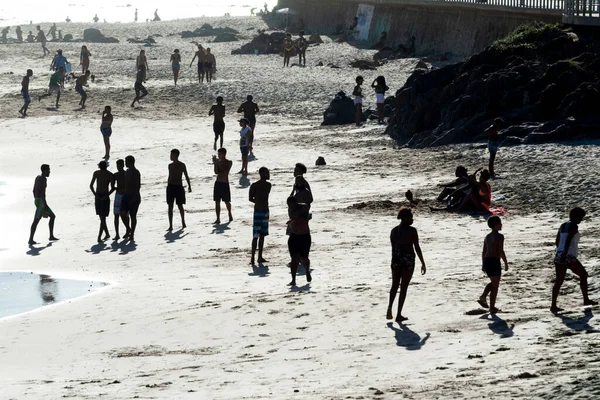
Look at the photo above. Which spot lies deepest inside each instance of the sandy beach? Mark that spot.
(186, 317)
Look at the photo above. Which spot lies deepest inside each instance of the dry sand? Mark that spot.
(185, 315)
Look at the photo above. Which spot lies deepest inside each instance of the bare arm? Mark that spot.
(211, 111)
(215, 165)
(187, 178)
(419, 253)
(502, 254)
(484, 252)
(92, 183)
(112, 185)
(241, 109)
(256, 109)
(252, 194)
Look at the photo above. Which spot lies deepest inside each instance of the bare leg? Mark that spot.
(494, 292)
(406, 277)
(380, 111)
(254, 243)
(83, 99)
(34, 225)
(125, 218)
(51, 227)
(57, 99)
(106, 147)
(396, 275)
(358, 108)
(261, 244)
(170, 213)
(491, 163)
(228, 205)
(133, 225)
(182, 213)
(294, 268)
(561, 272)
(218, 211)
(117, 237)
(221, 140)
(580, 271)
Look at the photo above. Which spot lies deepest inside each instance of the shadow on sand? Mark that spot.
(499, 326)
(126, 246)
(244, 182)
(98, 247)
(171, 237)
(407, 338)
(220, 228)
(35, 251)
(304, 288)
(580, 324)
(259, 270)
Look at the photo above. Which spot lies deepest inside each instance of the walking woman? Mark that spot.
(84, 59)
(142, 64)
(380, 89)
(106, 129)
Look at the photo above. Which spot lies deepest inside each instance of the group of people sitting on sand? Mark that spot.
(467, 193)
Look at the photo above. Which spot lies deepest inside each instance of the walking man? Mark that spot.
(103, 179)
(250, 109)
(175, 189)
(221, 191)
(25, 93)
(259, 195)
(132, 198)
(42, 209)
(218, 110)
(119, 188)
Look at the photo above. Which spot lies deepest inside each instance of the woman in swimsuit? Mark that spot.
(175, 64)
(288, 46)
(567, 243)
(106, 130)
(84, 59)
(405, 242)
(142, 64)
(380, 89)
(480, 198)
(357, 93)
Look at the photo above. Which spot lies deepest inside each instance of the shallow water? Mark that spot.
(21, 291)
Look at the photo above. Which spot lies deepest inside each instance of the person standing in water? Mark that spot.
(175, 189)
(130, 203)
(259, 195)
(380, 88)
(358, 98)
(140, 89)
(209, 62)
(301, 45)
(84, 59)
(106, 130)
(493, 252)
(567, 246)
(493, 143)
(175, 64)
(119, 189)
(142, 64)
(221, 191)
(41, 38)
(218, 110)
(405, 242)
(103, 180)
(288, 46)
(25, 93)
(42, 209)
(54, 85)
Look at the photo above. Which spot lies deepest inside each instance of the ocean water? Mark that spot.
(37, 11)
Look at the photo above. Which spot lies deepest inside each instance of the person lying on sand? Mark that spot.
(42, 209)
(175, 189)
(567, 243)
(405, 242)
(411, 199)
(493, 251)
(103, 179)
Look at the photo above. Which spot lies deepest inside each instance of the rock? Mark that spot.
(320, 64)
(225, 37)
(68, 37)
(141, 41)
(263, 44)
(365, 64)
(208, 30)
(94, 35)
(315, 39)
(340, 111)
(422, 65)
(320, 161)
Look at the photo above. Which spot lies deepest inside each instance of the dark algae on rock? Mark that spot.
(541, 79)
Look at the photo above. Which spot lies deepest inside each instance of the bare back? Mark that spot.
(494, 243)
(404, 238)
(259, 194)
(39, 187)
(222, 168)
(104, 179)
(176, 170)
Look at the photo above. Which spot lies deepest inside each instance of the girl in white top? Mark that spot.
(357, 93)
(567, 242)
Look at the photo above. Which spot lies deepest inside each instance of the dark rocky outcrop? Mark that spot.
(207, 30)
(263, 44)
(225, 37)
(340, 111)
(543, 81)
(93, 35)
(137, 40)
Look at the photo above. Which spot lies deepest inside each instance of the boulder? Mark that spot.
(341, 111)
(68, 37)
(365, 64)
(263, 44)
(320, 161)
(208, 30)
(315, 39)
(225, 37)
(93, 35)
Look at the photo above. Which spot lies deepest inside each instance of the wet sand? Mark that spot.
(189, 318)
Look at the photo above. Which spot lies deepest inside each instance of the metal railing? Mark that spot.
(582, 8)
(557, 5)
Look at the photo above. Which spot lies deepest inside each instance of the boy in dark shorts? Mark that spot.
(42, 209)
(250, 109)
(493, 251)
(25, 93)
(245, 140)
(259, 195)
(140, 89)
(209, 62)
(131, 199)
(221, 191)
(200, 55)
(218, 110)
(119, 188)
(80, 82)
(300, 240)
(405, 242)
(567, 243)
(175, 189)
(103, 180)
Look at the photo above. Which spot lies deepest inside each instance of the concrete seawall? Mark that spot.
(438, 27)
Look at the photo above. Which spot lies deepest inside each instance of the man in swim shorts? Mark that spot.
(245, 140)
(218, 110)
(299, 241)
(221, 191)
(54, 85)
(140, 89)
(132, 198)
(103, 180)
(25, 93)
(259, 195)
(119, 189)
(175, 189)
(209, 62)
(42, 209)
(200, 56)
(250, 109)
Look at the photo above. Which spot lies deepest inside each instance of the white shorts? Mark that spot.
(357, 100)
(54, 89)
(380, 98)
(117, 204)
